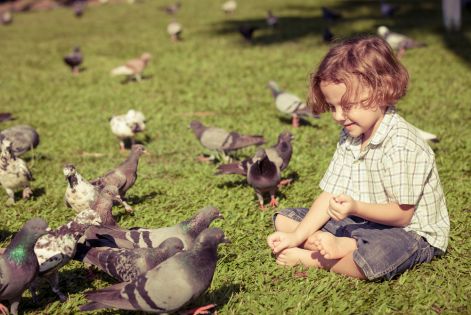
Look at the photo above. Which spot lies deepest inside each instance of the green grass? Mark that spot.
(213, 70)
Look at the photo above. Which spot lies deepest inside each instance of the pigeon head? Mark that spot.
(138, 149)
(25, 239)
(69, 170)
(211, 237)
(171, 246)
(36, 227)
(6, 146)
(285, 136)
(382, 31)
(203, 219)
(146, 57)
(76, 49)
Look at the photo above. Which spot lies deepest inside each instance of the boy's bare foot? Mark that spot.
(295, 256)
(333, 247)
(311, 242)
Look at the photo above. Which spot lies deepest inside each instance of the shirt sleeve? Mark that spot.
(406, 173)
(334, 180)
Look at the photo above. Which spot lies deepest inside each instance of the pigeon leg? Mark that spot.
(14, 305)
(53, 281)
(260, 200)
(3, 309)
(27, 193)
(33, 288)
(200, 310)
(122, 148)
(138, 77)
(273, 202)
(75, 70)
(127, 207)
(295, 121)
(11, 196)
(205, 159)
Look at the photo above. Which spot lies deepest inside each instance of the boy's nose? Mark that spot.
(338, 115)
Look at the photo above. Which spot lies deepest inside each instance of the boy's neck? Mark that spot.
(367, 136)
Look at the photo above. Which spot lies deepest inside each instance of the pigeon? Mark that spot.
(398, 42)
(14, 173)
(104, 203)
(221, 140)
(229, 7)
(327, 35)
(6, 116)
(56, 248)
(19, 265)
(186, 231)
(169, 286)
(288, 103)
(127, 126)
(127, 264)
(388, 10)
(133, 68)
(74, 60)
(175, 29)
(247, 32)
(6, 18)
(23, 138)
(79, 7)
(124, 175)
(263, 171)
(172, 8)
(79, 194)
(272, 20)
(330, 15)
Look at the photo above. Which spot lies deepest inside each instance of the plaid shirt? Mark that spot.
(397, 166)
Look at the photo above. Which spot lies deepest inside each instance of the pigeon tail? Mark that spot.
(232, 168)
(122, 70)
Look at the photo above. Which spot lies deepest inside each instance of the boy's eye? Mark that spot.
(331, 108)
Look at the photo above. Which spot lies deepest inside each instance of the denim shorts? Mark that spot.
(382, 251)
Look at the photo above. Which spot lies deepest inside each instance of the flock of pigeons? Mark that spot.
(143, 261)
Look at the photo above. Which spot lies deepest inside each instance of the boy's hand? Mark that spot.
(281, 240)
(341, 207)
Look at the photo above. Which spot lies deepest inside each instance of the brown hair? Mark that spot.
(366, 60)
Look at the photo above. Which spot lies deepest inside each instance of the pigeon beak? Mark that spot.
(220, 216)
(48, 229)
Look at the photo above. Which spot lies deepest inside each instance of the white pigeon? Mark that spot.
(56, 248)
(229, 6)
(14, 172)
(175, 29)
(127, 126)
(398, 42)
(79, 194)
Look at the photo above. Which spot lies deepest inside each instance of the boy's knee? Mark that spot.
(285, 224)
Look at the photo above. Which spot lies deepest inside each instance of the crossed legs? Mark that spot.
(320, 250)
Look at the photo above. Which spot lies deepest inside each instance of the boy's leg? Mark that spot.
(334, 247)
(286, 224)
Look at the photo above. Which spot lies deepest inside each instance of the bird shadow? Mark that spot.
(139, 199)
(302, 121)
(133, 80)
(35, 156)
(294, 176)
(38, 192)
(238, 183)
(5, 234)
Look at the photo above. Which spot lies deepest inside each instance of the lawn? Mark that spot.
(216, 77)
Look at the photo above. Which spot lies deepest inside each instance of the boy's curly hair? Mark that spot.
(366, 60)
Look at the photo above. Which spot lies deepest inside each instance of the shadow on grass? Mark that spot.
(128, 80)
(220, 297)
(302, 121)
(238, 183)
(4, 234)
(134, 200)
(425, 16)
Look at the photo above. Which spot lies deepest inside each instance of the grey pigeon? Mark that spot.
(14, 173)
(398, 42)
(23, 138)
(104, 203)
(247, 32)
(18, 264)
(57, 247)
(272, 20)
(172, 8)
(74, 60)
(221, 140)
(6, 116)
(168, 287)
(327, 35)
(126, 264)
(124, 175)
(263, 171)
(330, 15)
(291, 104)
(387, 9)
(79, 194)
(186, 231)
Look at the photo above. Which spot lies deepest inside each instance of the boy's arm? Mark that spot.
(315, 218)
(392, 214)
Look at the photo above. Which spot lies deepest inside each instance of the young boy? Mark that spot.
(382, 209)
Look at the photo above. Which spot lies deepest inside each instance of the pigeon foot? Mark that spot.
(4, 309)
(285, 182)
(204, 159)
(200, 310)
(274, 202)
(295, 121)
(27, 193)
(261, 206)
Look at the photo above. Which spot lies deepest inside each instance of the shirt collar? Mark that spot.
(385, 127)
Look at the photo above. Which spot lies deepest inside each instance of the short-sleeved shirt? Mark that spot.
(397, 166)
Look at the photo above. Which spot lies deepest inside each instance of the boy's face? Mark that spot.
(357, 120)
